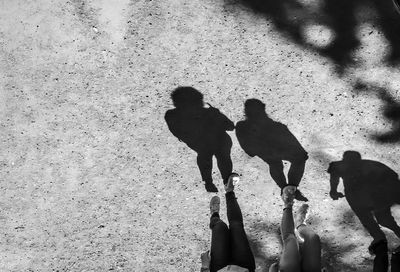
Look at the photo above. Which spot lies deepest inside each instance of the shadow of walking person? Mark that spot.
(371, 188)
(203, 130)
(272, 141)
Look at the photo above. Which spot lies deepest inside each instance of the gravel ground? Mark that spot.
(92, 179)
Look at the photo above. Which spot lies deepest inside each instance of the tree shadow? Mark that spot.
(203, 129)
(390, 109)
(292, 18)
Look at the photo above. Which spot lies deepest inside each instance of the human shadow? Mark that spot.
(281, 15)
(391, 111)
(203, 129)
(259, 135)
(381, 254)
(370, 188)
(292, 18)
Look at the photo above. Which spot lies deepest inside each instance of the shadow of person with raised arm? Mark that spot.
(272, 141)
(370, 188)
(203, 130)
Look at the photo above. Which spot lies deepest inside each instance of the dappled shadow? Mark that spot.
(261, 228)
(340, 19)
(391, 110)
(203, 129)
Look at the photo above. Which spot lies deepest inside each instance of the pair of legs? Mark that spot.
(381, 260)
(295, 258)
(224, 161)
(230, 245)
(295, 174)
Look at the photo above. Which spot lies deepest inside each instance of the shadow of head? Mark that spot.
(254, 108)
(187, 97)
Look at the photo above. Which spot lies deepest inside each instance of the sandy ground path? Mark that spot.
(92, 179)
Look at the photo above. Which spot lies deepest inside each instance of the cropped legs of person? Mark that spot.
(385, 218)
(220, 243)
(310, 249)
(241, 253)
(368, 221)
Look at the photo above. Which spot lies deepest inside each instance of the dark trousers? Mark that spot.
(223, 156)
(230, 245)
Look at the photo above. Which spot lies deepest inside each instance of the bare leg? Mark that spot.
(311, 250)
(274, 267)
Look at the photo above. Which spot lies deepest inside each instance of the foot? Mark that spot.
(299, 196)
(288, 193)
(301, 215)
(210, 187)
(230, 184)
(215, 205)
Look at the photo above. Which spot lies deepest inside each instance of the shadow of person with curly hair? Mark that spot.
(203, 129)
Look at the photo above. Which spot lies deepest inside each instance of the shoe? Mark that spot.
(230, 184)
(215, 205)
(288, 193)
(301, 215)
(299, 196)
